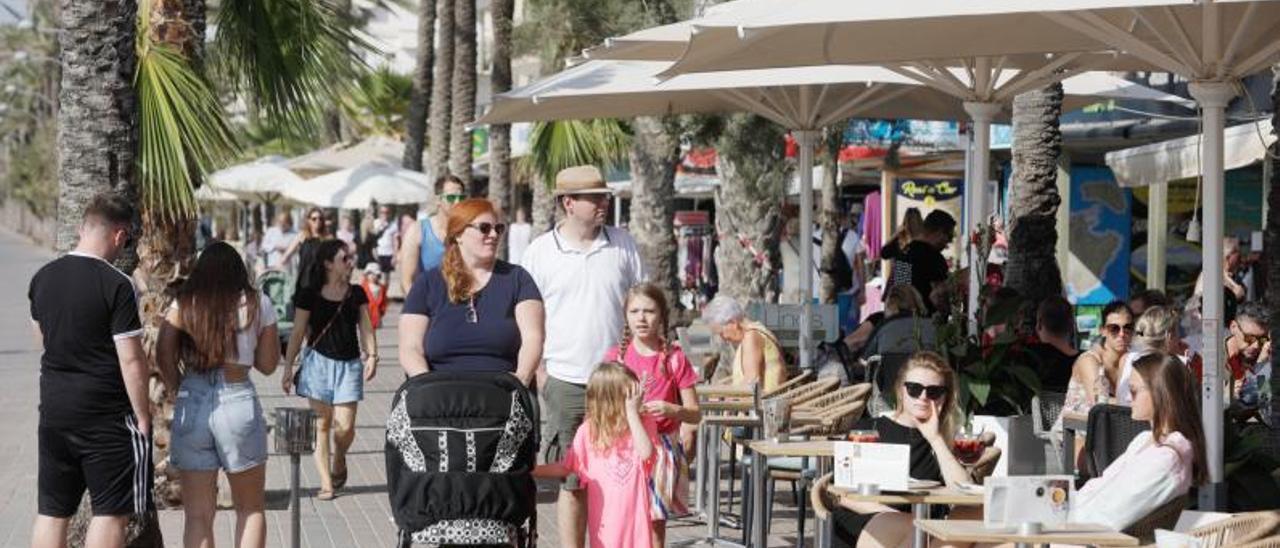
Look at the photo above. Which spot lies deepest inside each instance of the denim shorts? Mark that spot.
(330, 381)
(217, 425)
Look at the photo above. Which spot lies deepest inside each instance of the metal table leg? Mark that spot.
(822, 527)
(1068, 452)
(920, 539)
(759, 475)
(700, 487)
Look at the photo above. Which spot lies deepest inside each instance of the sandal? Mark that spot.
(339, 480)
(325, 495)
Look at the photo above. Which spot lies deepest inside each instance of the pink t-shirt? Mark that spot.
(617, 485)
(666, 381)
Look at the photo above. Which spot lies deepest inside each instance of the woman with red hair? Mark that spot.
(474, 312)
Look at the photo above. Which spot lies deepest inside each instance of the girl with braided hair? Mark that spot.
(669, 400)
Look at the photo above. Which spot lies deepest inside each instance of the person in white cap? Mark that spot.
(583, 269)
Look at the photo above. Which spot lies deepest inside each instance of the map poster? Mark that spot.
(928, 195)
(1098, 264)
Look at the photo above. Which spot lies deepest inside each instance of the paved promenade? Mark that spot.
(360, 516)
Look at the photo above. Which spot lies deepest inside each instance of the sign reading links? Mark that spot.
(784, 321)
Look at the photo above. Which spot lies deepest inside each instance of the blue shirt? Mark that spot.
(431, 252)
(492, 342)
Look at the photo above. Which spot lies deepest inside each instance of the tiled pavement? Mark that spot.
(360, 516)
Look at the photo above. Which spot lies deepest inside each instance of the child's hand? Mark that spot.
(635, 395)
(660, 408)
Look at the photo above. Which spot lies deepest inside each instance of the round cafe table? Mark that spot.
(920, 500)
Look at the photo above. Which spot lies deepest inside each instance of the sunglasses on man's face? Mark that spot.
(934, 392)
(487, 228)
(1249, 339)
(1114, 329)
(453, 198)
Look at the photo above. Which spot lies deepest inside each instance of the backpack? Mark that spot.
(459, 452)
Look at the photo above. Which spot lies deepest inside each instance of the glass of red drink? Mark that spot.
(967, 447)
(863, 436)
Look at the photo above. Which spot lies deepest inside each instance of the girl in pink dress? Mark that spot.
(669, 398)
(612, 454)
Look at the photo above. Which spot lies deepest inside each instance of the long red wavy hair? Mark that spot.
(457, 277)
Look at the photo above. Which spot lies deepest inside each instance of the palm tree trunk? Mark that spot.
(1032, 267)
(543, 213)
(1271, 242)
(830, 219)
(97, 123)
(464, 89)
(442, 90)
(420, 100)
(654, 152)
(500, 135)
(751, 162)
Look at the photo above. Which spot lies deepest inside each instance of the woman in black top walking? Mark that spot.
(314, 231)
(334, 318)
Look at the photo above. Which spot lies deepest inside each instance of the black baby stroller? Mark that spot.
(460, 452)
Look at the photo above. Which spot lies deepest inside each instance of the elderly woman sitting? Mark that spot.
(758, 356)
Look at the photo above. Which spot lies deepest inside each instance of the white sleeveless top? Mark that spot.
(248, 330)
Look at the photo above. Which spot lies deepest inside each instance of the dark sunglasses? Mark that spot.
(453, 198)
(934, 392)
(486, 228)
(1114, 329)
(315, 218)
(1250, 339)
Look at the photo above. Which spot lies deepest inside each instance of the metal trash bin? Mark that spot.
(295, 433)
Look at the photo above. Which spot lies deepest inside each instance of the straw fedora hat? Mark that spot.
(580, 180)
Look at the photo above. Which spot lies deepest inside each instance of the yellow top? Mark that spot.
(775, 370)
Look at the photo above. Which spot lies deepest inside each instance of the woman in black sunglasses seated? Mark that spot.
(1097, 370)
(924, 418)
(474, 312)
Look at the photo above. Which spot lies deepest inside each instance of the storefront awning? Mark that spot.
(1180, 158)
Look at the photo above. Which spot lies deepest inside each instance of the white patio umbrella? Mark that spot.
(264, 178)
(803, 99)
(341, 156)
(1212, 43)
(360, 186)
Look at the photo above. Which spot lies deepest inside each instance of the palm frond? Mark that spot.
(183, 128)
(287, 57)
(554, 146)
(379, 102)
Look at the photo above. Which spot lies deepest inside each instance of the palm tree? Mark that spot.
(378, 104)
(752, 165)
(415, 138)
(655, 149)
(554, 146)
(442, 90)
(500, 81)
(830, 217)
(1032, 267)
(464, 89)
(1271, 243)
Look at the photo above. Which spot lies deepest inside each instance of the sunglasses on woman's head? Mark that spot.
(1114, 329)
(934, 392)
(486, 228)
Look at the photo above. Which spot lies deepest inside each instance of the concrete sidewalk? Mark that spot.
(360, 516)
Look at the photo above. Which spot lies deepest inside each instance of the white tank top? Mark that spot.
(246, 340)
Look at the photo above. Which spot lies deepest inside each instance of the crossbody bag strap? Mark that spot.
(332, 319)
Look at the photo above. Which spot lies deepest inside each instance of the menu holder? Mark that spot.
(1012, 501)
(885, 465)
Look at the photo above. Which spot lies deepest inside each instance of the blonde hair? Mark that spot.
(606, 404)
(936, 363)
(903, 298)
(911, 228)
(1151, 333)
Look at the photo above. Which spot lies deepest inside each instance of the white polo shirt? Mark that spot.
(583, 293)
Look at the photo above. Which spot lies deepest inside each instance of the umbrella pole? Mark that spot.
(806, 139)
(975, 189)
(1212, 98)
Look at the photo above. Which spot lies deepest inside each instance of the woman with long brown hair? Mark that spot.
(474, 312)
(314, 230)
(219, 327)
(342, 355)
(924, 418)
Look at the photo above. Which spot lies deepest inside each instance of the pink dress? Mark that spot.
(669, 372)
(617, 484)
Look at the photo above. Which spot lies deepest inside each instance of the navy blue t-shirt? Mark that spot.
(453, 343)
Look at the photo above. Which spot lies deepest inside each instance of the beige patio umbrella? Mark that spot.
(1212, 43)
(341, 156)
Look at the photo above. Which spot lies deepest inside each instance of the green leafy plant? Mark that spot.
(557, 145)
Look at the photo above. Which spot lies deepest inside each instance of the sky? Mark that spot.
(6, 16)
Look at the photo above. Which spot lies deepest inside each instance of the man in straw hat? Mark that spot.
(583, 269)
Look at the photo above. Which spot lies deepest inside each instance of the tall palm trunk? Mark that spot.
(752, 165)
(1271, 243)
(97, 122)
(442, 90)
(830, 218)
(500, 135)
(544, 207)
(1032, 267)
(464, 89)
(653, 156)
(420, 100)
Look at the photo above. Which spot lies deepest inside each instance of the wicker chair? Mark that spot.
(791, 383)
(818, 496)
(1164, 517)
(1239, 529)
(832, 413)
(1045, 408)
(1268, 542)
(800, 395)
